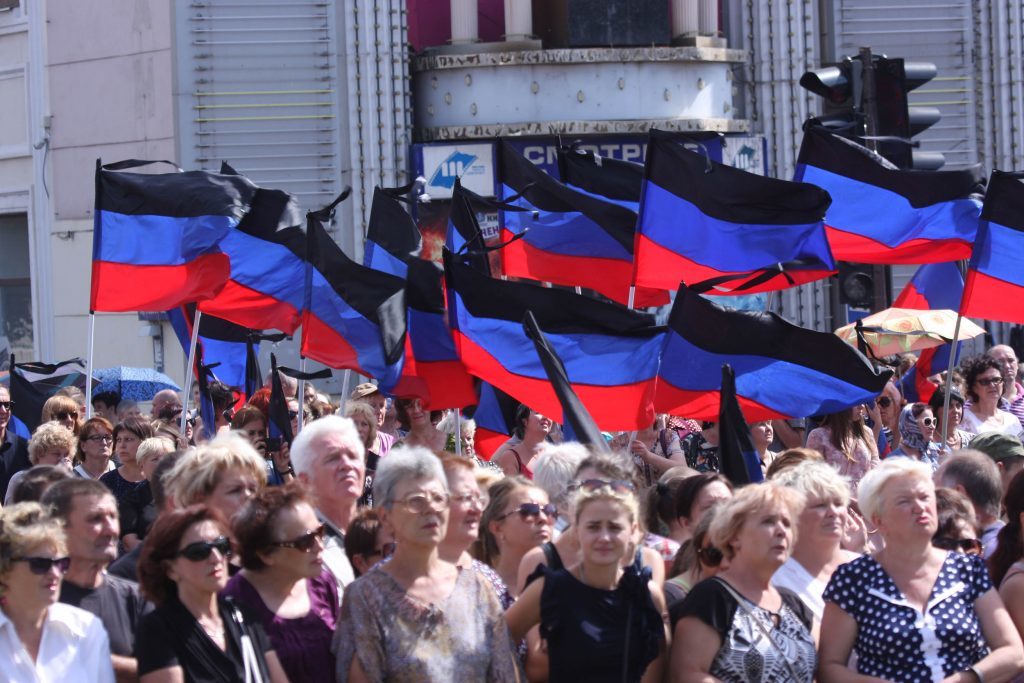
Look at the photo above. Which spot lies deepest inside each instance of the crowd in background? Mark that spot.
(379, 546)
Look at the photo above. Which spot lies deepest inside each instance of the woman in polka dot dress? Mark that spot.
(911, 612)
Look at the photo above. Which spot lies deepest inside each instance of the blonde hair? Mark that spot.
(24, 526)
(816, 479)
(50, 435)
(196, 474)
(153, 446)
(628, 501)
(870, 496)
(363, 409)
(734, 513)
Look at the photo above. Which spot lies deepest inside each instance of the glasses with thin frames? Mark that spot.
(989, 381)
(528, 511)
(109, 438)
(418, 503)
(306, 542)
(467, 498)
(201, 550)
(40, 566)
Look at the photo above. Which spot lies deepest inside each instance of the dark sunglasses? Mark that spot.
(530, 510)
(65, 414)
(385, 551)
(989, 381)
(100, 437)
(969, 546)
(620, 486)
(884, 402)
(305, 542)
(710, 555)
(40, 566)
(6, 405)
(201, 550)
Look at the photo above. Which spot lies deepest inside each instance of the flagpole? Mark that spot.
(632, 294)
(344, 385)
(210, 429)
(301, 393)
(949, 380)
(458, 432)
(88, 365)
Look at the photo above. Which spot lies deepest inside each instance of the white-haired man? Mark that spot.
(330, 460)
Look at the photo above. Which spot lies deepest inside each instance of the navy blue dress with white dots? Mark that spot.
(897, 642)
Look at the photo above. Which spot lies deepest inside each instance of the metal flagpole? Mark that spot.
(949, 380)
(344, 385)
(632, 294)
(88, 365)
(210, 429)
(300, 393)
(458, 432)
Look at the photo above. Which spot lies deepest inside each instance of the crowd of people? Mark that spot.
(885, 543)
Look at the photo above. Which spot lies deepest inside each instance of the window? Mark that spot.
(15, 290)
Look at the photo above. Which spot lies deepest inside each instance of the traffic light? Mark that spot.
(856, 285)
(841, 85)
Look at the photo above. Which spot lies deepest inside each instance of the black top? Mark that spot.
(137, 511)
(13, 458)
(170, 636)
(585, 627)
(126, 565)
(119, 486)
(118, 605)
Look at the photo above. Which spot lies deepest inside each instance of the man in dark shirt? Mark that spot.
(89, 513)
(13, 448)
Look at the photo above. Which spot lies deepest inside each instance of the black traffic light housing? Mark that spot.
(856, 285)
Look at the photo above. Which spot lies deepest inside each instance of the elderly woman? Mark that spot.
(137, 511)
(554, 468)
(283, 581)
(956, 438)
(602, 620)
(367, 542)
(518, 518)
(127, 437)
(62, 410)
(51, 444)
(192, 635)
(223, 473)
(912, 611)
(738, 622)
(846, 443)
(983, 376)
(42, 639)
(817, 551)
(365, 420)
(530, 431)
(418, 423)
(95, 448)
(917, 427)
(442, 623)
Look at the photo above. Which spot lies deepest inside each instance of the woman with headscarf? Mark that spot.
(917, 427)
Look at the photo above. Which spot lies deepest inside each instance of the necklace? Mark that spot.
(215, 633)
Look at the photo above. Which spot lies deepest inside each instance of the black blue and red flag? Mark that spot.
(567, 237)
(882, 214)
(610, 352)
(736, 452)
(723, 229)
(354, 317)
(494, 415)
(995, 279)
(464, 236)
(279, 424)
(613, 180)
(157, 237)
(781, 370)
(392, 237)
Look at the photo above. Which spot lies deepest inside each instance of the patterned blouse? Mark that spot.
(898, 642)
(399, 639)
(864, 459)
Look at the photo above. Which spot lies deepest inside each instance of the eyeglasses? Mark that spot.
(529, 511)
(420, 502)
(40, 566)
(65, 415)
(306, 541)
(467, 498)
(989, 381)
(385, 551)
(928, 421)
(970, 546)
(710, 555)
(100, 437)
(884, 402)
(6, 405)
(201, 550)
(620, 486)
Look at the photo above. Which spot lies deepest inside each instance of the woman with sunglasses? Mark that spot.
(42, 639)
(602, 621)
(417, 617)
(958, 523)
(917, 427)
(983, 377)
(128, 476)
(62, 410)
(518, 518)
(192, 635)
(912, 611)
(820, 529)
(95, 448)
(284, 582)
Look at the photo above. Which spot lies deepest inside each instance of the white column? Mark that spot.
(684, 17)
(708, 17)
(518, 20)
(464, 22)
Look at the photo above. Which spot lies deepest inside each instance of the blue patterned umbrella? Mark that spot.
(136, 384)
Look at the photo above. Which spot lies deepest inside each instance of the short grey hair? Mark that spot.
(869, 492)
(978, 474)
(405, 464)
(555, 467)
(153, 446)
(303, 450)
(816, 479)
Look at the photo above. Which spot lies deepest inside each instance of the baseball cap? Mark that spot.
(363, 390)
(998, 446)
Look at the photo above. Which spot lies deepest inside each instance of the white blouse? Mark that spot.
(74, 647)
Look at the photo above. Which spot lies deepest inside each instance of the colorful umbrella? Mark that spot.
(901, 330)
